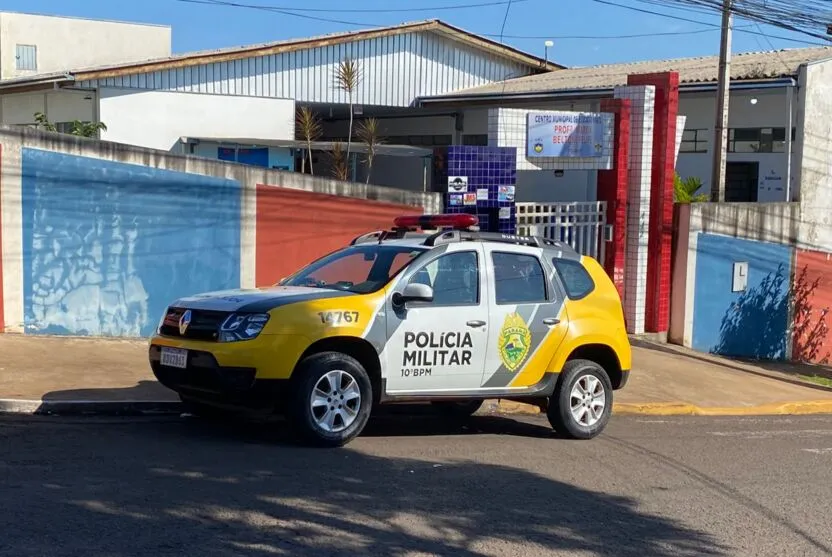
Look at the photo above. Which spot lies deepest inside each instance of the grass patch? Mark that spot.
(818, 379)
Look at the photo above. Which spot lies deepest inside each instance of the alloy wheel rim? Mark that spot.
(335, 401)
(588, 400)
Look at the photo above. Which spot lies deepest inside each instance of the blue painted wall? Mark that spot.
(752, 323)
(107, 245)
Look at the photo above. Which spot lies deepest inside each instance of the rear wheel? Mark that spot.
(331, 399)
(581, 405)
(454, 409)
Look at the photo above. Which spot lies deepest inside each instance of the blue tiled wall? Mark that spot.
(486, 168)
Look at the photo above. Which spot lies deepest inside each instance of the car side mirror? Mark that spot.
(414, 292)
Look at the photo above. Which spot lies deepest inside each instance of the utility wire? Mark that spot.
(713, 27)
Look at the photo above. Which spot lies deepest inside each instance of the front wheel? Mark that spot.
(581, 405)
(331, 400)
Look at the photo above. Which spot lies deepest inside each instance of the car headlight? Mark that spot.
(242, 326)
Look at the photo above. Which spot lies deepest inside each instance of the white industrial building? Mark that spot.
(32, 44)
(431, 85)
(239, 103)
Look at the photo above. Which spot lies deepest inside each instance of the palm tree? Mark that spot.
(347, 77)
(684, 190)
(310, 129)
(79, 128)
(369, 133)
(340, 162)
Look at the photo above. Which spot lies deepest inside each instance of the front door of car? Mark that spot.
(526, 318)
(439, 345)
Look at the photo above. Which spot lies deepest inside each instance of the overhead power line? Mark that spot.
(295, 12)
(359, 10)
(807, 17)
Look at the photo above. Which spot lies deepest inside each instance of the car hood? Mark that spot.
(256, 300)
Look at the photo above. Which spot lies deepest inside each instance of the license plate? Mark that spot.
(174, 357)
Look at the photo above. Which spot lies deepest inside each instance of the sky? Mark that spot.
(584, 32)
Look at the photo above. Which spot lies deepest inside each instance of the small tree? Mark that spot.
(368, 132)
(340, 162)
(684, 191)
(347, 78)
(309, 126)
(79, 128)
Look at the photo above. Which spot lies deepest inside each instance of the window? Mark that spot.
(576, 280)
(454, 277)
(758, 140)
(475, 139)
(518, 278)
(694, 141)
(26, 57)
(359, 269)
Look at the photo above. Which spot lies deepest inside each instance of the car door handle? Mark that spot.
(476, 323)
(551, 321)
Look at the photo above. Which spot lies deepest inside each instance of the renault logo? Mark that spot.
(184, 322)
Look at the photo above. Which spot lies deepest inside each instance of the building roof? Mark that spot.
(744, 67)
(236, 53)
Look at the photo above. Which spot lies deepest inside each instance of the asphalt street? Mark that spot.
(416, 486)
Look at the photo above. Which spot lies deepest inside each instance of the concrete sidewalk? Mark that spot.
(52, 374)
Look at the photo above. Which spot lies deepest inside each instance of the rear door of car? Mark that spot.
(527, 320)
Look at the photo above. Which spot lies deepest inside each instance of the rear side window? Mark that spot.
(575, 278)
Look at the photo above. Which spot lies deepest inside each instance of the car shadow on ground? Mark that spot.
(190, 487)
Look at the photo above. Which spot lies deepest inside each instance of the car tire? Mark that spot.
(335, 420)
(574, 409)
(457, 410)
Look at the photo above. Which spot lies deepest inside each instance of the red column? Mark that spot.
(613, 187)
(657, 312)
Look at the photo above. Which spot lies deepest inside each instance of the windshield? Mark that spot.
(359, 269)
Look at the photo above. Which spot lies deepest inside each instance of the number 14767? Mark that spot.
(338, 317)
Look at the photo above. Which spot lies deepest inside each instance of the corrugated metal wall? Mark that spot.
(395, 71)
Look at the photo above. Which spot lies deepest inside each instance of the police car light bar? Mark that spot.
(460, 221)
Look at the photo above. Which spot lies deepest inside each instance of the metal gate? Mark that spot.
(581, 224)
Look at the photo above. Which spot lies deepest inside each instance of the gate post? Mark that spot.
(657, 310)
(613, 188)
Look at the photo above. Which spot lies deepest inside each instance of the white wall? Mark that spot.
(65, 43)
(157, 119)
(770, 111)
(58, 106)
(814, 152)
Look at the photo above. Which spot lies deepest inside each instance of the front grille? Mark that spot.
(205, 325)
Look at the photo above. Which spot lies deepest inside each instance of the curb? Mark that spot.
(89, 407)
(685, 409)
(149, 407)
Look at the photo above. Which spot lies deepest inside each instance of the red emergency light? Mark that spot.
(459, 221)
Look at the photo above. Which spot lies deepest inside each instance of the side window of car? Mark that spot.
(454, 277)
(518, 278)
(575, 278)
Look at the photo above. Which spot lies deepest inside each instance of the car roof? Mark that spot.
(433, 238)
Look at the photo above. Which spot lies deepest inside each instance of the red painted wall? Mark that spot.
(812, 299)
(613, 188)
(2, 324)
(295, 227)
(657, 312)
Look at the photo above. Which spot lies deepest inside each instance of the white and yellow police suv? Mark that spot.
(452, 315)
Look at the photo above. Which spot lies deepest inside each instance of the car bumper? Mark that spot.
(205, 380)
